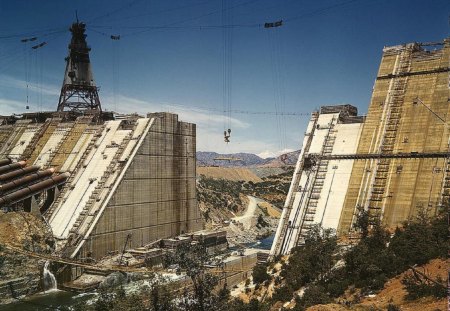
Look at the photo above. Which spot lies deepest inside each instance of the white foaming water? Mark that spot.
(49, 279)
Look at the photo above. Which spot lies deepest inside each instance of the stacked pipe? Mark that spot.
(28, 191)
(20, 172)
(25, 180)
(18, 182)
(5, 162)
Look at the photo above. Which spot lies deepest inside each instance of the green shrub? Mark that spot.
(260, 274)
(392, 307)
(313, 260)
(420, 241)
(313, 295)
(282, 293)
(418, 288)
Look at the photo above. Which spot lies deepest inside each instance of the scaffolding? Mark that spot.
(317, 183)
(284, 221)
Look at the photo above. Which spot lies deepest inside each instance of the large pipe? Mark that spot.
(5, 162)
(9, 167)
(26, 180)
(27, 192)
(20, 172)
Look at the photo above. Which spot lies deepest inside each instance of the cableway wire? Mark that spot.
(38, 34)
(8, 55)
(156, 12)
(168, 26)
(109, 14)
(149, 28)
(276, 64)
(198, 27)
(116, 69)
(238, 111)
(319, 11)
(227, 66)
(286, 20)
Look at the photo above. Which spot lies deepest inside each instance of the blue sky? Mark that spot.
(171, 58)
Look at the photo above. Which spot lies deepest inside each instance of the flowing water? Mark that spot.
(49, 279)
(53, 299)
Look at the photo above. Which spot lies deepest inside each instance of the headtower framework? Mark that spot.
(79, 92)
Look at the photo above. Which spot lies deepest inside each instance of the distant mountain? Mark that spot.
(244, 159)
(289, 158)
(205, 158)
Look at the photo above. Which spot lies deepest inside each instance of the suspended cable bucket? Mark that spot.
(274, 24)
(28, 39)
(227, 135)
(39, 45)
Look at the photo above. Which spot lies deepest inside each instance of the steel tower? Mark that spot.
(78, 92)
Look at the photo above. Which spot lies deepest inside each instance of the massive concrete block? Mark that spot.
(131, 175)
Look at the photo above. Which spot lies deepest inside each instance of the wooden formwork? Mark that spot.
(53, 123)
(67, 146)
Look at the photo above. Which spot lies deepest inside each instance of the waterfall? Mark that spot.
(49, 278)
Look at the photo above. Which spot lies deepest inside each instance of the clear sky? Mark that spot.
(177, 56)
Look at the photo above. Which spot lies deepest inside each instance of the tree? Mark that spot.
(362, 221)
(369, 262)
(418, 287)
(252, 305)
(161, 298)
(260, 274)
(200, 295)
(192, 259)
(420, 240)
(313, 260)
(314, 295)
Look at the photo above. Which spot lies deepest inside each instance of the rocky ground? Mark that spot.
(28, 232)
(253, 224)
(393, 294)
(224, 202)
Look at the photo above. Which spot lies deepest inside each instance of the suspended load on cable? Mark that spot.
(113, 37)
(227, 135)
(29, 39)
(275, 24)
(39, 45)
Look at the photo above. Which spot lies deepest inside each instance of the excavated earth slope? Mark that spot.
(229, 173)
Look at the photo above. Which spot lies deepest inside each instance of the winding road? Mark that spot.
(246, 218)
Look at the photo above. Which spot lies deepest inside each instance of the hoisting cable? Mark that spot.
(277, 78)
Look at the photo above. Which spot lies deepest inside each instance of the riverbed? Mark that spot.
(53, 300)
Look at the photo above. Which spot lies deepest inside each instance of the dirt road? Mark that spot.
(246, 218)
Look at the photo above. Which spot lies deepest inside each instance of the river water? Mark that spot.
(265, 243)
(55, 300)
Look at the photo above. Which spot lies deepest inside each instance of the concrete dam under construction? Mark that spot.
(101, 180)
(106, 182)
(393, 162)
